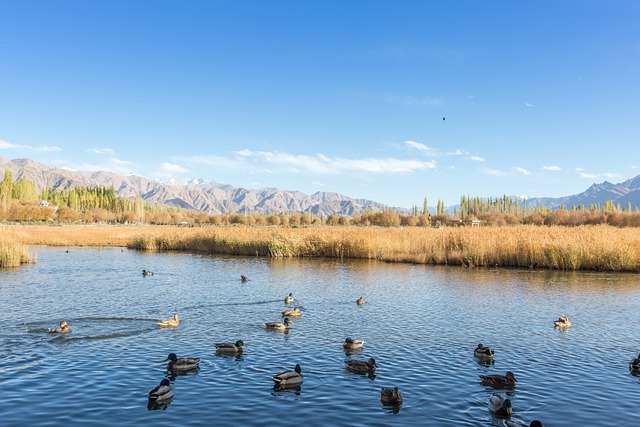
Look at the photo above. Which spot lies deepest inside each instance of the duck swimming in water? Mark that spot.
(292, 313)
(351, 344)
(244, 278)
(361, 301)
(62, 329)
(483, 352)
(507, 380)
(147, 273)
(289, 298)
(230, 348)
(284, 325)
(182, 364)
(170, 322)
(390, 396)
(500, 405)
(289, 378)
(161, 392)
(562, 322)
(361, 366)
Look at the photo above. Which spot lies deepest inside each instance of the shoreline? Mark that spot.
(599, 248)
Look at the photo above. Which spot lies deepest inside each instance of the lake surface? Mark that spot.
(420, 323)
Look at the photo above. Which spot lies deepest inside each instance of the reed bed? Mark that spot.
(13, 254)
(598, 247)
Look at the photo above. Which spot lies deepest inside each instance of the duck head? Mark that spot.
(239, 343)
(506, 405)
(372, 362)
(297, 369)
(509, 375)
(172, 356)
(347, 341)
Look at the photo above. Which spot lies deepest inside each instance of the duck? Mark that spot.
(390, 396)
(170, 322)
(147, 273)
(634, 365)
(289, 378)
(350, 344)
(161, 392)
(500, 405)
(230, 348)
(483, 352)
(534, 423)
(64, 327)
(361, 366)
(244, 278)
(507, 380)
(289, 298)
(562, 322)
(284, 325)
(361, 301)
(182, 364)
(292, 313)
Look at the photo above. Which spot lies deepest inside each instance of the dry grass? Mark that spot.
(598, 247)
(13, 254)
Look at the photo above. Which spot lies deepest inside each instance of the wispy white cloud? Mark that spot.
(4, 145)
(107, 151)
(610, 175)
(551, 168)
(324, 165)
(417, 145)
(523, 171)
(584, 174)
(318, 184)
(173, 168)
(48, 148)
(119, 162)
(458, 152)
(528, 104)
(477, 159)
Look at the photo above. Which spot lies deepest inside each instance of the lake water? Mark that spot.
(420, 323)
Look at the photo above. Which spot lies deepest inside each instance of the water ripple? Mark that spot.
(420, 323)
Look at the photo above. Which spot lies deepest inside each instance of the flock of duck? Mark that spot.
(163, 392)
(498, 405)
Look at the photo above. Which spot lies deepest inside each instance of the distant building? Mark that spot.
(465, 222)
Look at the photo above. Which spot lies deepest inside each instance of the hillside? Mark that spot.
(623, 194)
(210, 197)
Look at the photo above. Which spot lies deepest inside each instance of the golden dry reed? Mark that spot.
(598, 247)
(13, 254)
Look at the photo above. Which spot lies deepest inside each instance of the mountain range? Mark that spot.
(623, 194)
(202, 195)
(217, 198)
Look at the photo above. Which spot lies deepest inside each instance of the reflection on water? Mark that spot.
(154, 405)
(420, 323)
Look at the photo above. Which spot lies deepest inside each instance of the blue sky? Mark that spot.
(391, 101)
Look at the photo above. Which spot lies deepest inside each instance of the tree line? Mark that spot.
(20, 201)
